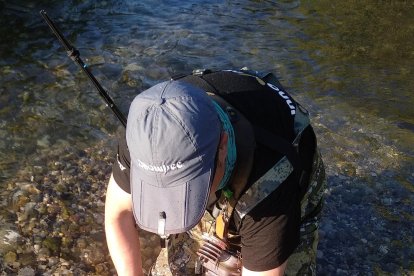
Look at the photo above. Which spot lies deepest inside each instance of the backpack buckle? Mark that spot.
(201, 72)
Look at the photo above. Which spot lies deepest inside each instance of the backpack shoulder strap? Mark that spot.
(245, 145)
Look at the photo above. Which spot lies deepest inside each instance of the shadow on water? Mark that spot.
(349, 63)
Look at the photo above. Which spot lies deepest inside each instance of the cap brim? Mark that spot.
(183, 204)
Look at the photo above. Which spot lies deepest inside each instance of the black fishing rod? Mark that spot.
(74, 54)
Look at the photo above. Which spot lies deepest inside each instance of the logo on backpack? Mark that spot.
(285, 97)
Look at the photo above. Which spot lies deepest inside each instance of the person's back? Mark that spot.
(260, 207)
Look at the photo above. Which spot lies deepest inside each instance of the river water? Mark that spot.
(350, 63)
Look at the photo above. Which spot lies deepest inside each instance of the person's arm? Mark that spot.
(278, 271)
(121, 234)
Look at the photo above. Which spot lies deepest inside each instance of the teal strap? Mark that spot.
(231, 145)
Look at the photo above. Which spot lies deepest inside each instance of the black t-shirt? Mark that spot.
(270, 231)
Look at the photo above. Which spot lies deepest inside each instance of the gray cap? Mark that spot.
(172, 133)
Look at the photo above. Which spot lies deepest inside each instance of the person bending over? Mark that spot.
(224, 167)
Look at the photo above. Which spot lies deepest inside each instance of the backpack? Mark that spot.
(252, 128)
(266, 132)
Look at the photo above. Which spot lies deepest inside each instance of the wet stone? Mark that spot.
(43, 254)
(26, 271)
(27, 258)
(10, 257)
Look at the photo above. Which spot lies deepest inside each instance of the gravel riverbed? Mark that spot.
(54, 213)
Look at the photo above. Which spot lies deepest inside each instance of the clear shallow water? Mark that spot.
(349, 64)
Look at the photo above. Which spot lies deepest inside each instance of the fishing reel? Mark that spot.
(215, 258)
